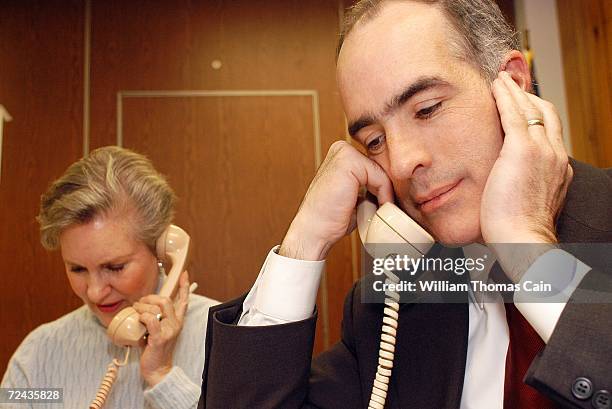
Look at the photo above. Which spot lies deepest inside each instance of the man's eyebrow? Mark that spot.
(420, 85)
(360, 123)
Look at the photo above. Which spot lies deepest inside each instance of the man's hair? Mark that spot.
(483, 35)
(108, 179)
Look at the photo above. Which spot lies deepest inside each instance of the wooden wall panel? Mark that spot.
(170, 46)
(272, 45)
(41, 69)
(240, 166)
(586, 42)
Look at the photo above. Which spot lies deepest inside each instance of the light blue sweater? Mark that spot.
(73, 353)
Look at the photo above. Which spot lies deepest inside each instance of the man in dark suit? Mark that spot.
(438, 96)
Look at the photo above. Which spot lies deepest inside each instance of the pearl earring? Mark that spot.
(161, 268)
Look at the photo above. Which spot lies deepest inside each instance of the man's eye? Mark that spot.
(428, 112)
(376, 144)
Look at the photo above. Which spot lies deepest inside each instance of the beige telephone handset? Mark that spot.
(126, 329)
(388, 225)
(172, 246)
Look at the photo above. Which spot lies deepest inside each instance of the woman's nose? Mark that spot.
(98, 288)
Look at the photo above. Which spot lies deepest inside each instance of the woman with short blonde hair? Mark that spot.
(105, 214)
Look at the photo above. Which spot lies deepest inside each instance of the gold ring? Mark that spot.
(533, 122)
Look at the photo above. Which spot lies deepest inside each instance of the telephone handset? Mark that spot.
(388, 225)
(126, 329)
(171, 247)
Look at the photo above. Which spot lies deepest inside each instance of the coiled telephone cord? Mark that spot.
(107, 382)
(386, 353)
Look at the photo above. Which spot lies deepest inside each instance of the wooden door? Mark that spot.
(236, 102)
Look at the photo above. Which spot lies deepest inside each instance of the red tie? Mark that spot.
(525, 344)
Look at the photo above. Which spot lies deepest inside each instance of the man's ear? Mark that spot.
(514, 63)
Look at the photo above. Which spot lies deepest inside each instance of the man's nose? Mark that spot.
(407, 156)
(97, 288)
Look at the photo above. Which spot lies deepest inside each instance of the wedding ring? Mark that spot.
(533, 122)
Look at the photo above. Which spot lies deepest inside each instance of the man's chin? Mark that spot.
(456, 237)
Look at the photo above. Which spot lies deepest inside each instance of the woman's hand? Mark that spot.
(157, 357)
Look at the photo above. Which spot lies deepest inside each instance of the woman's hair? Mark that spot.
(482, 38)
(108, 179)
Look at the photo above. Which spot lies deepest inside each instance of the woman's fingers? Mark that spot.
(151, 322)
(183, 297)
(141, 308)
(163, 304)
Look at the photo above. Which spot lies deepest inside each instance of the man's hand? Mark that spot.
(327, 212)
(528, 183)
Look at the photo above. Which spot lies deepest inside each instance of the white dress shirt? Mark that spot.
(286, 291)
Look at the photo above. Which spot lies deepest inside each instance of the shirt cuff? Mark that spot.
(175, 391)
(543, 309)
(285, 291)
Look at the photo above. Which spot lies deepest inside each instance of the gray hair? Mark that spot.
(109, 178)
(483, 35)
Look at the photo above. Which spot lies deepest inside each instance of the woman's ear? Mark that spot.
(515, 64)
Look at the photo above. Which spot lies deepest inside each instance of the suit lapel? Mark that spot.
(430, 355)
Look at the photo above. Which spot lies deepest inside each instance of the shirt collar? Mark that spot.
(474, 251)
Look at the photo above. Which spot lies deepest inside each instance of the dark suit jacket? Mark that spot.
(270, 367)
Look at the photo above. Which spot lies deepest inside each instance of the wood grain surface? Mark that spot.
(41, 69)
(586, 42)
